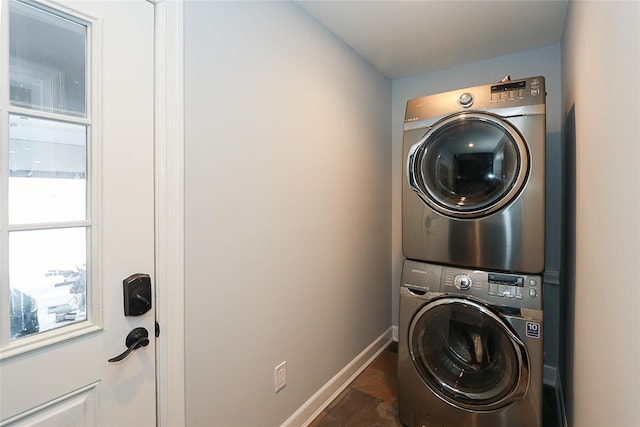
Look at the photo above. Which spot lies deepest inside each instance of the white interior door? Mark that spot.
(76, 211)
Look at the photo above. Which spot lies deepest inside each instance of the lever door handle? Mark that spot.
(138, 337)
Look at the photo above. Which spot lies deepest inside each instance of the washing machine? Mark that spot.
(470, 348)
(474, 192)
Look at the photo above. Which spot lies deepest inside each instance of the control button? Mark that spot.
(532, 282)
(462, 282)
(511, 292)
(512, 95)
(502, 290)
(533, 293)
(503, 96)
(518, 292)
(495, 96)
(535, 91)
(466, 99)
(493, 287)
(521, 94)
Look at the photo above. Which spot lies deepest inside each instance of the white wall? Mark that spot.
(601, 71)
(288, 193)
(544, 62)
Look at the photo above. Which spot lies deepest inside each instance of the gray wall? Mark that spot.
(288, 194)
(601, 109)
(545, 62)
(288, 188)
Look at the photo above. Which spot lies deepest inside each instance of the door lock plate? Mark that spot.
(137, 294)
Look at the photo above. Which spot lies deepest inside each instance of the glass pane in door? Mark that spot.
(47, 171)
(47, 279)
(46, 187)
(47, 68)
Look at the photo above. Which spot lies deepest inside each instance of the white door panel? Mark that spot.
(61, 374)
(76, 409)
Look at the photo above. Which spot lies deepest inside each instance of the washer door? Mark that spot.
(468, 165)
(467, 355)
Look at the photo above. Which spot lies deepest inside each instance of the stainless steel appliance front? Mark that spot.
(474, 191)
(470, 348)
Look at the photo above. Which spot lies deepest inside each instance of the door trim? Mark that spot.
(169, 184)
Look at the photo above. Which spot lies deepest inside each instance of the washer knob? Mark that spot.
(462, 282)
(466, 99)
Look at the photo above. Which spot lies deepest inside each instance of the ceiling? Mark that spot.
(404, 38)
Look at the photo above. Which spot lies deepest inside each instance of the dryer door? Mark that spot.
(467, 355)
(469, 165)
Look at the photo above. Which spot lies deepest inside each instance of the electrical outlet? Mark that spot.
(281, 376)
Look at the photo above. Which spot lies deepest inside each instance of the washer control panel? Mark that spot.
(506, 289)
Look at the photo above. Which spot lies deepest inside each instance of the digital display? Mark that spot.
(509, 86)
(504, 279)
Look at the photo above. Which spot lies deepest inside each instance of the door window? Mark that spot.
(470, 164)
(47, 226)
(466, 354)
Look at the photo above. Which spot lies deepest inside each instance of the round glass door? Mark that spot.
(469, 165)
(467, 355)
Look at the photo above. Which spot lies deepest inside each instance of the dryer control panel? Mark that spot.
(503, 289)
(518, 90)
(527, 93)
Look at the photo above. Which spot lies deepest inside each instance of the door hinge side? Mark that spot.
(157, 329)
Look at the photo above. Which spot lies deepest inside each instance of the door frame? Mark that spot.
(169, 211)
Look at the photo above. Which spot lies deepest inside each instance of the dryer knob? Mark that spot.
(462, 282)
(466, 99)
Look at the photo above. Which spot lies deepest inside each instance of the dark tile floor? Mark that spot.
(371, 399)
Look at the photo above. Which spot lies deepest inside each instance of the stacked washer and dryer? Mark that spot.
(473, 211)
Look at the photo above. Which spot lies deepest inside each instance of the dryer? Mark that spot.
(474, 193)
(470, 348)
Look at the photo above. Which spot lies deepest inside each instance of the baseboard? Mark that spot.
(323, 397)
